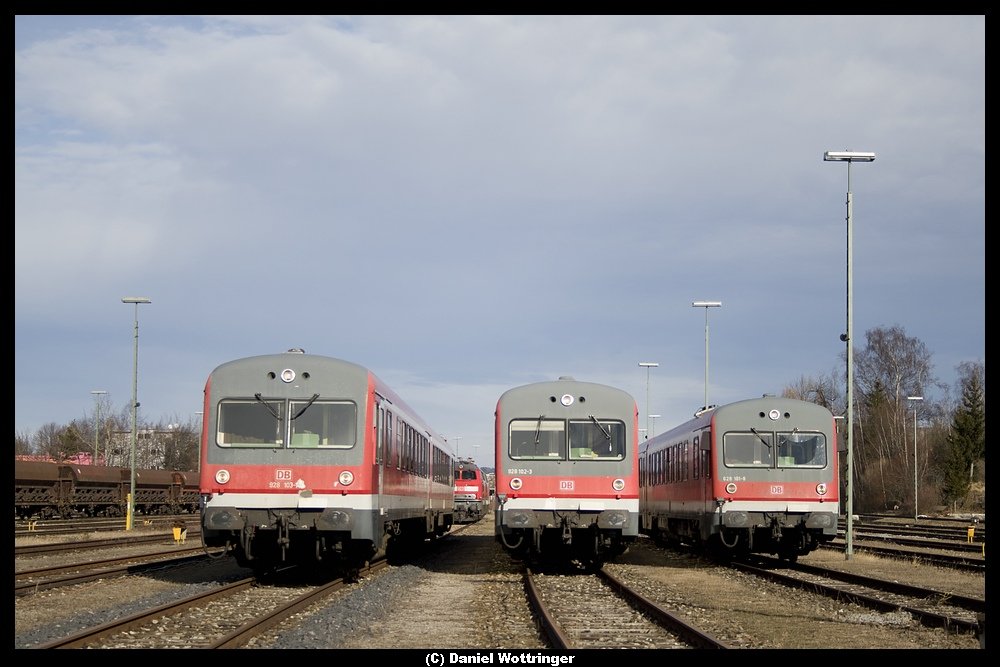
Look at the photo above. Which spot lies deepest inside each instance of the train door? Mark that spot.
(381, 451)
(703, 468)
(643, 489)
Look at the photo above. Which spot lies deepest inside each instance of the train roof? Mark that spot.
(298, 358)
(748, 406)
(557, 387)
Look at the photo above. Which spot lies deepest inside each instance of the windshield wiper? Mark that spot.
(267, 405)
(766, 443)
(606, 432)
(305, 407)
(538, 430)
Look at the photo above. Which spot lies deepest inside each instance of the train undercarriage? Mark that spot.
(786, 536)
(581, 540)
(265, 540)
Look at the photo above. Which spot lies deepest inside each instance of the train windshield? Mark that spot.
(551, 439)
(538, 438)
(801, 450)
(756, 449)
(264, 424)
(595, 439)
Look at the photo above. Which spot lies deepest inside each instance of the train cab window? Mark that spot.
(264, 423)
(324, 425)
(537, 438)
(748, 450)
(597, 440)
(801, 450)
(251, 423)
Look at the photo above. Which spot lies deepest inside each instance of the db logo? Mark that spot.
(777, 490)
(283, 475)
(565, 485)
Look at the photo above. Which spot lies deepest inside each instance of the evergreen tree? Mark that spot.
(966, 444)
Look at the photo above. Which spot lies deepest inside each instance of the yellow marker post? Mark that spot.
(972, 534)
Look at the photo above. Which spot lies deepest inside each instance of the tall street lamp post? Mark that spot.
(135, 300)
(97, 422)
(706, 305)
(647, 365)
(849, 157)
(652, 428)
(915, 400)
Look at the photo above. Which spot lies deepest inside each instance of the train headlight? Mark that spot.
(288, 375)
(613, 520)
(516, 483)
(346, 478)
(222, 476)
(730, 488)
(618, 484)
(821, 488)
(520, 519)
(736, 519)
(822, 520)
(566, 400)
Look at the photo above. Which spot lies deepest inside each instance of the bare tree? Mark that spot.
(22, 443)
(48, 441)
(889, 368)
(823, 390)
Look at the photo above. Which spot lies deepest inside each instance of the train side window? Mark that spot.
(696, 460)
(537, 438)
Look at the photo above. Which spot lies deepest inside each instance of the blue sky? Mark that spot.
(468, 203)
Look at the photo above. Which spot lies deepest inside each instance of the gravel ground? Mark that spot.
(469, 595)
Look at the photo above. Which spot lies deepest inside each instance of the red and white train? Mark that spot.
(754, 476)
(567, 484)
(472, 492)
(311, 459)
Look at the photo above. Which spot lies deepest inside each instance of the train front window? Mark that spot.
(596, 439)
(537, 438)
(251, 423)
(324, 424)
(801, 450)
(748, 450)
(264, 423)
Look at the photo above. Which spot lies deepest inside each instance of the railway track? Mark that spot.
(29, 581)
(55, 527)
(468, 594)
(931, 607)
(943, 557)
(601, 611)
(225, 617)
(111, 542)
